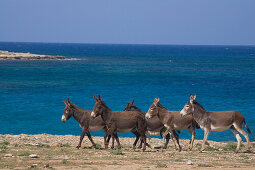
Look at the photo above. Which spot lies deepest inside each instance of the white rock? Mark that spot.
(189, 162)
(8, 155)
(33, 156)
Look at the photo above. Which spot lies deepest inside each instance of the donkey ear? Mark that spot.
(95, 98)
(99, 98)
(191, 98)
(68, 100)
(156, 100)
(64, 101)
(194, 98)
(132, 102)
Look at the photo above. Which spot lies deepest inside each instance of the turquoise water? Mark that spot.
(31, 92)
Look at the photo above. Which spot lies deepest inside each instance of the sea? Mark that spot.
(31, 92)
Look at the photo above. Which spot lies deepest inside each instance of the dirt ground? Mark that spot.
(59, 152)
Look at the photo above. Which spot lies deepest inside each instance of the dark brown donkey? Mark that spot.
(117, 121)
(172, 120)
(84, 119)
(154, 126)
(216, 121)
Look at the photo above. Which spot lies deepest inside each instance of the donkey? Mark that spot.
(172, 120)
(117, 121)
(154, 126)
(84, 119)
(216, 121)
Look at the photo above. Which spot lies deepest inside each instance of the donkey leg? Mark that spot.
(207, 132)
(137, 138)
(117, 140)
(164, 138)
(238, 138)
(144, 141)
(106, 142)
(112, 147)
(191, 130)
(240, 130)
(176, 137)
(167, 140)
(81, 138)
(90, 138)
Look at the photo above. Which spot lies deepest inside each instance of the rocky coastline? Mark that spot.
(6, 55)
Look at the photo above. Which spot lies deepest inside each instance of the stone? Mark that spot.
(34, 156)
(189, 162)
(8, 155)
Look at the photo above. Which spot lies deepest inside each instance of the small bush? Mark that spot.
(205, 165)
(4, 143)
(41, 145)
(24, 153)
(231, 146)
(160, 165)
(117, 152)
(209, 148)
(98, 146)
(3, 147)
(66, 145)
(64, 161)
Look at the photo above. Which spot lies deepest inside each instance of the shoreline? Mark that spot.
(14, 56)
(58, 152)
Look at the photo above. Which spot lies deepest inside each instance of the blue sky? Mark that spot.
(204, 22)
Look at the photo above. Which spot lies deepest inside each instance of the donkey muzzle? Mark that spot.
(63, 118)
(93, 114)
(183, 112)
(147, 115)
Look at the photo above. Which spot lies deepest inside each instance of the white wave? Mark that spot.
(73, 59)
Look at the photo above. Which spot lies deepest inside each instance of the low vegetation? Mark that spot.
(62, 154)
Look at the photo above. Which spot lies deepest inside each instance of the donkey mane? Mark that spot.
(104, 104)
(161, 106)
(76, 107)
(199, 106)
(135, 107)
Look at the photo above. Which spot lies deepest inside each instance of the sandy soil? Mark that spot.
(59, 152)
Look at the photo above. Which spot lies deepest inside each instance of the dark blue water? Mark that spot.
(31, 92)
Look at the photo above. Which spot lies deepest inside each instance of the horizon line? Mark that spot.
(43, 42)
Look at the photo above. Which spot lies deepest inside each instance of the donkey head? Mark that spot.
(129, 106)
(189, 106)
(68, 111)
(153, 110)
(99, 107)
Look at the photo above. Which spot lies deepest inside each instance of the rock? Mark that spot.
(32, 166)
(8, 155)
(189, 162)
(33, 156)
(47, 166)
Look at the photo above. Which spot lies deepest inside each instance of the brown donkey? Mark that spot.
(172, 120)
(216, 121)
(84, 119)
(154, 126)
(117, 121)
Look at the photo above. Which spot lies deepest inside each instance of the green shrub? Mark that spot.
(160, 165)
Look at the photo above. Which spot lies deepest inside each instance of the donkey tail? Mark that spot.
(248, 129)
